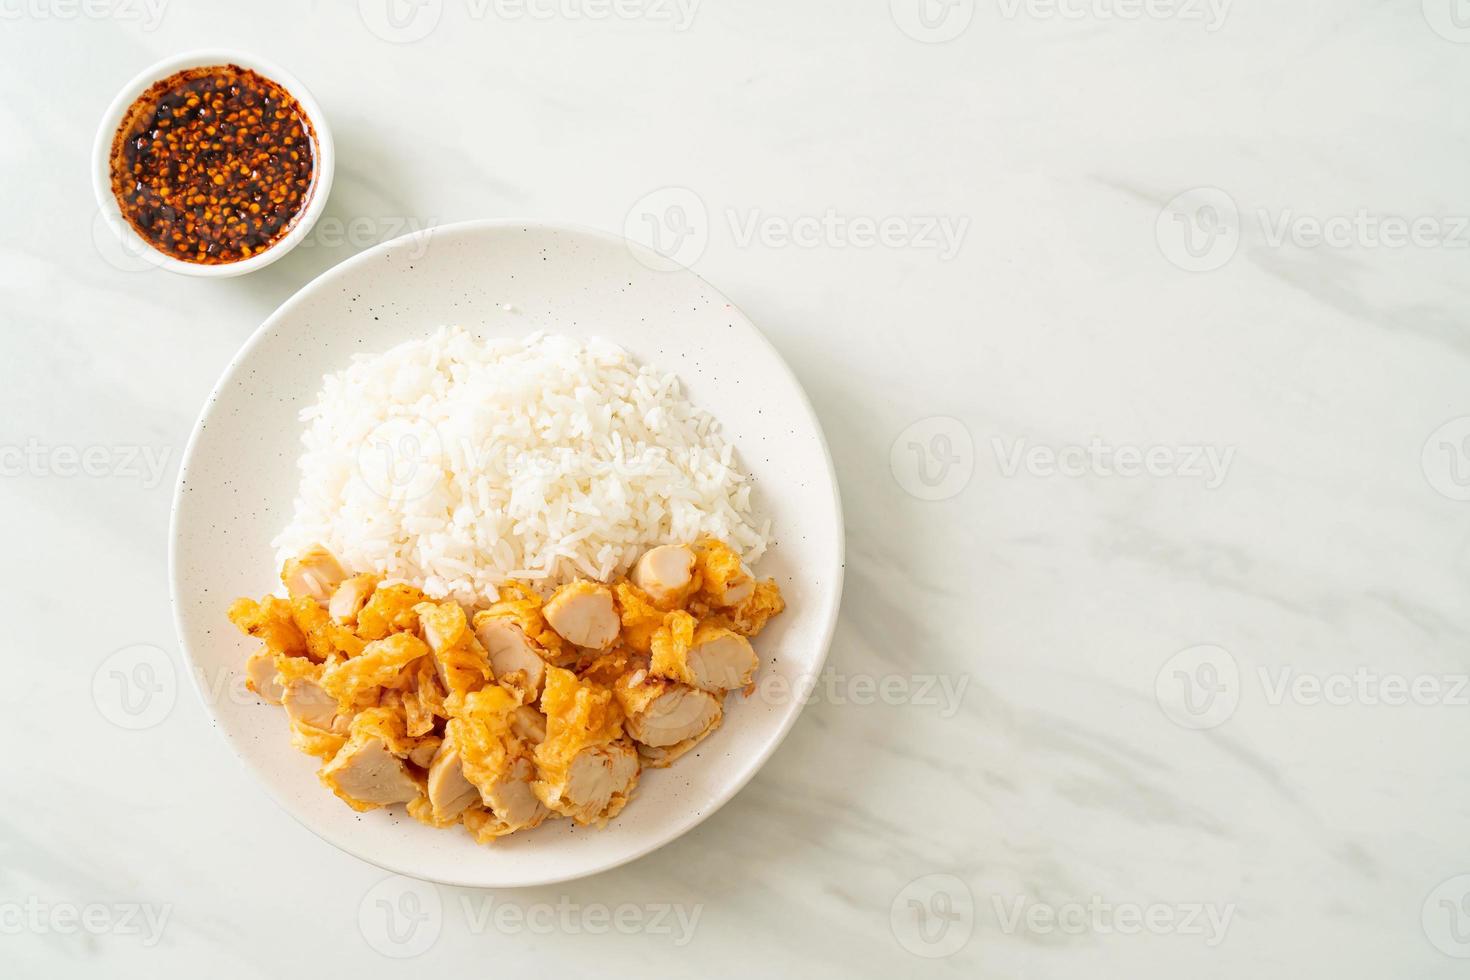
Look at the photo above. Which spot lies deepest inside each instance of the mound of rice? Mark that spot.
(458, 464)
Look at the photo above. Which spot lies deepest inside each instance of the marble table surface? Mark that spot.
(1138, 329)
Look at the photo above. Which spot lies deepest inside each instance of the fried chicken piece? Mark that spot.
(349, 598)
(270, 621)
(317, 725)
(587, 770)
(598, 782)
(723, 578)
(325, 637)
(423, 698)
(389, 610)
(704, 655)
(315, 742)
(356, 682)
(314, 575)
(521, 605)
(665, 715)
(750, 617)
(497, 761)
(298, 627)
(514, 798)
(368, 771)
(582, 613)
(448, 792)
(513, 801)
(462, 663)
(481, 731)
(516, 660)
(260, 676)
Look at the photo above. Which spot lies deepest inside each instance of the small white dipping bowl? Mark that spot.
(321, 187)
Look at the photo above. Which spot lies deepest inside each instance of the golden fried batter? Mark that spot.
(390, 609)
(270, 621)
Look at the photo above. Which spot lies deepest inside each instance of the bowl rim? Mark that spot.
(754, 764)
(326, 161)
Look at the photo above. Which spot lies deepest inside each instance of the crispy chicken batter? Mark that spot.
(581, 764)
(270, 621)
(520, 604)
(356, 683)
(641, 618)
(390, 609)
(423, 699)
(750, 617)
(324, 635)
(460, 660)
(722, 576)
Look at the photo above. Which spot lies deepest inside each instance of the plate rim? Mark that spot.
(269, 324)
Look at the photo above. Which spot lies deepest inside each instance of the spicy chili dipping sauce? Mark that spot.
(214, 164)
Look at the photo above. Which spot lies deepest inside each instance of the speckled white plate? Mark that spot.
(501, 279)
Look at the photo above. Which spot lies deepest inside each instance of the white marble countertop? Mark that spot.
(1152, 661)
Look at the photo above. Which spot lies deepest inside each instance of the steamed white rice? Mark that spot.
(458, 464)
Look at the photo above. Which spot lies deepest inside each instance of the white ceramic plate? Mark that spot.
(501, 279)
